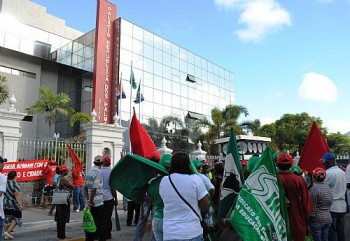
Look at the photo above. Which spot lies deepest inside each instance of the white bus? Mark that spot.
(247, 145)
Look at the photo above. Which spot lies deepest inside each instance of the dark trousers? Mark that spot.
(133, 207)
(98, 213)
(62, 216)
(337, 229)
(108, 205)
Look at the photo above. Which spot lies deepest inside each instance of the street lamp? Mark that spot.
(56, 136)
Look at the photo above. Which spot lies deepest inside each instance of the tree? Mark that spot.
(339, 144)
(293, 129)
(80, 116)
(4, 90)
(253, 127)
(220, 125)
(51, 106)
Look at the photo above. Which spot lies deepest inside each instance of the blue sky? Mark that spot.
(287, 56)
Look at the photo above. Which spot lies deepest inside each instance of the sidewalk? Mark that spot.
(38, 226)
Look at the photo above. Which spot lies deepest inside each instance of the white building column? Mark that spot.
(10, 126)
(100, 136)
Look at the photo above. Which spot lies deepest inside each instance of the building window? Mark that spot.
(17, 72)
(191, 78)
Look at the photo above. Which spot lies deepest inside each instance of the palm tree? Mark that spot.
(252, 126)
(51, 106)
(4, 90)
(80, 116)
(222, 121)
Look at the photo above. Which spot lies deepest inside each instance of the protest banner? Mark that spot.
(26, 170)
(260, 212)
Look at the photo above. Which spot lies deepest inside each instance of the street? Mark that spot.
(40, 227)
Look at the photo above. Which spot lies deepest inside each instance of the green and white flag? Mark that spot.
(232, 180)
(132, 78)
(260, 212)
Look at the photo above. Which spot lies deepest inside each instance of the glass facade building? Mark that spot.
(173, 79)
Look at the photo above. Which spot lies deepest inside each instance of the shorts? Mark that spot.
(48, 190)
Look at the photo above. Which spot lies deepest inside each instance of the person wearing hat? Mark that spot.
(62, 214)
(49, 173)
(156, 200)
(296, 170)
(3, 182)
(336, 180)
(321, 196)
(207, 183)
(252, 161)
(93, 191)
(297, 195)
(78, 195)
(109, 195)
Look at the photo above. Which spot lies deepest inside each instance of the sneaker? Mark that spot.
(82, 210)
(76, 210)
(6, 234)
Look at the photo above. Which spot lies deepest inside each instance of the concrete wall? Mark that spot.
(25, 89)
(23, 11)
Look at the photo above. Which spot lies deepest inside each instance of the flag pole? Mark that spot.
(130, 109)
(120, 98)
(140, 101)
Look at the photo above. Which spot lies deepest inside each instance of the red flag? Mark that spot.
(141, 142)
(313, 150)
(75, 158)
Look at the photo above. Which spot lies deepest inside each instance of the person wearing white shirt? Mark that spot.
(336, 180)
(180, 222)
(3, 181)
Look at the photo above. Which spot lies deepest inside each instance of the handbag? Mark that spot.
(60, 196)
(88, 224)
(203, 223)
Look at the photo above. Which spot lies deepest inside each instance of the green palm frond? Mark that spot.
(4, 89)
(80, 116)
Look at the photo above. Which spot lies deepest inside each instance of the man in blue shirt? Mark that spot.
(93, 191)
(109, 195)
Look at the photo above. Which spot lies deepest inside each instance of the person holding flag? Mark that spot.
(260, 212)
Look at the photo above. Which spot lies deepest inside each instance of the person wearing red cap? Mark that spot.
(109, 195)
(78, 195)
(49, 173)
(297, 195)
(321, 195)
(62, 214)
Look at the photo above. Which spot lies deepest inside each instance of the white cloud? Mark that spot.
(266, 120)
(335, 126)
(317, 87)
(259, 16)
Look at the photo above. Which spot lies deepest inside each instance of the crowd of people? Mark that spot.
(184, 205)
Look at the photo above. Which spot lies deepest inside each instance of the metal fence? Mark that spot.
(35, 149)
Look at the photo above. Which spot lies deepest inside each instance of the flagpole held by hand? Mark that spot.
(117, 223)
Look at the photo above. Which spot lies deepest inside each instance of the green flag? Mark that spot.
(132, 79)
(233, 178)
(130, 176)
(260, 212)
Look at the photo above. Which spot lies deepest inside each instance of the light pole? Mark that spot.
(56, 136)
